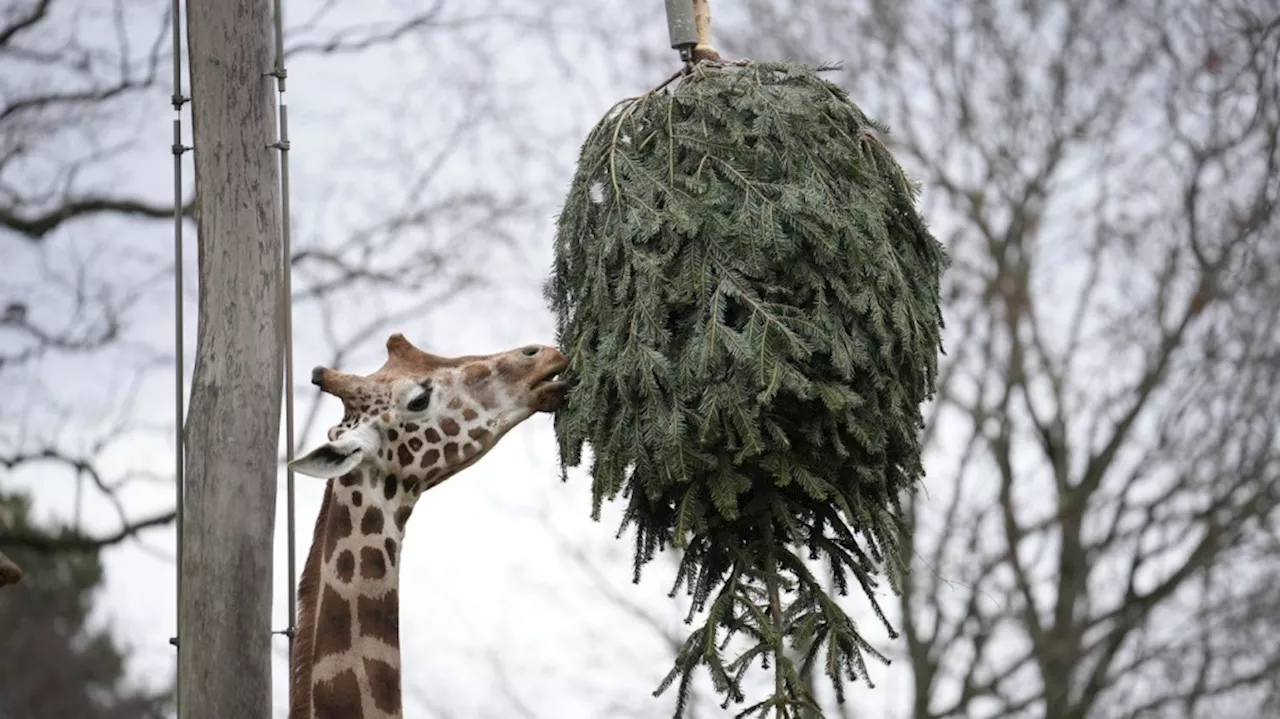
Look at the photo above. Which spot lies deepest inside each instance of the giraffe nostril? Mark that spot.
(531, 350)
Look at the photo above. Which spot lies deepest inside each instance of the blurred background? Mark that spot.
(1097, 534)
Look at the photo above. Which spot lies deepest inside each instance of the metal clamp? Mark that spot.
(682, 28)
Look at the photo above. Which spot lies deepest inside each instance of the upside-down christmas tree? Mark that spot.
(750, 302)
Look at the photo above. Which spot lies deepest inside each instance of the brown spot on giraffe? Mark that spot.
(470, 414)
(373, 563)
(390, 546)
(415, 444)
(479, 434)
(345, 566)
(450, 426)
(384, 685)
(339, 528)
(429, 458)
(432, 435)
(476, 372)
(389, 488)
(379, 617)
(402, 516)
(405, 456)
(372, 521)
(357, 498)
(451, 453)
(338, 698)
(335, 617)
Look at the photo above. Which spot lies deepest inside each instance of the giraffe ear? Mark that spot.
(331, 459)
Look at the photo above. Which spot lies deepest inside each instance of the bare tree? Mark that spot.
(390, 229)
(1097, 534)
(70, 75)
(88, 272)
(58, 662)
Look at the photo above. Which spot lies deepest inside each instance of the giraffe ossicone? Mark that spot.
(411, 425)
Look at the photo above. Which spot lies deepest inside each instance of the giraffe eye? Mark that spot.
(419, 403)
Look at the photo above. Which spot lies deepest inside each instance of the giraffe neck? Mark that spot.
(346, 657)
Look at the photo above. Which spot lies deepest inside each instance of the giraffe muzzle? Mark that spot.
(550, 393)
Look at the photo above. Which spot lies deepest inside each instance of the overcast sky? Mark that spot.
(494, 600)
(441, 158)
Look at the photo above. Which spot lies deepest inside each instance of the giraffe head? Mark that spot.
(10, 573)
(422, 418)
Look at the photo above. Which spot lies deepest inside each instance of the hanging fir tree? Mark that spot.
(749, 300)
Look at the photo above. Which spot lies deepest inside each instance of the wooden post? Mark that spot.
(233, 425)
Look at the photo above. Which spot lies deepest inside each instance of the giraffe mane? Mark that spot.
(304, 639)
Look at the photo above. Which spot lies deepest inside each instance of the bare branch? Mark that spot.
(35, 226)
(77, 542)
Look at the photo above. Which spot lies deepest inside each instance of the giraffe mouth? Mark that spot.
(547, 381)
(550, 374)
(549, 391)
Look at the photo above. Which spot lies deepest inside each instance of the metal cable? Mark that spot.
(177, 99)
(280, 73)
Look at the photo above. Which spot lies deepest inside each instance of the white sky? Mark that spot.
(490, 594)
(495, 593)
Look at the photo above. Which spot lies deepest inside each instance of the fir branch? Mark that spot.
(775, 617)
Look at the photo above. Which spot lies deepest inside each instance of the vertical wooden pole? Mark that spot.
(702, 27)
(233, 425)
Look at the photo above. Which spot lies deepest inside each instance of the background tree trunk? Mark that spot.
(233, 427)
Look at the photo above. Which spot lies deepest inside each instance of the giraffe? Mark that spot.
(10, 573)
(411, 425)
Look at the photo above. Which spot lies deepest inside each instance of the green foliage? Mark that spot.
(749, 300)
(54, 664)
